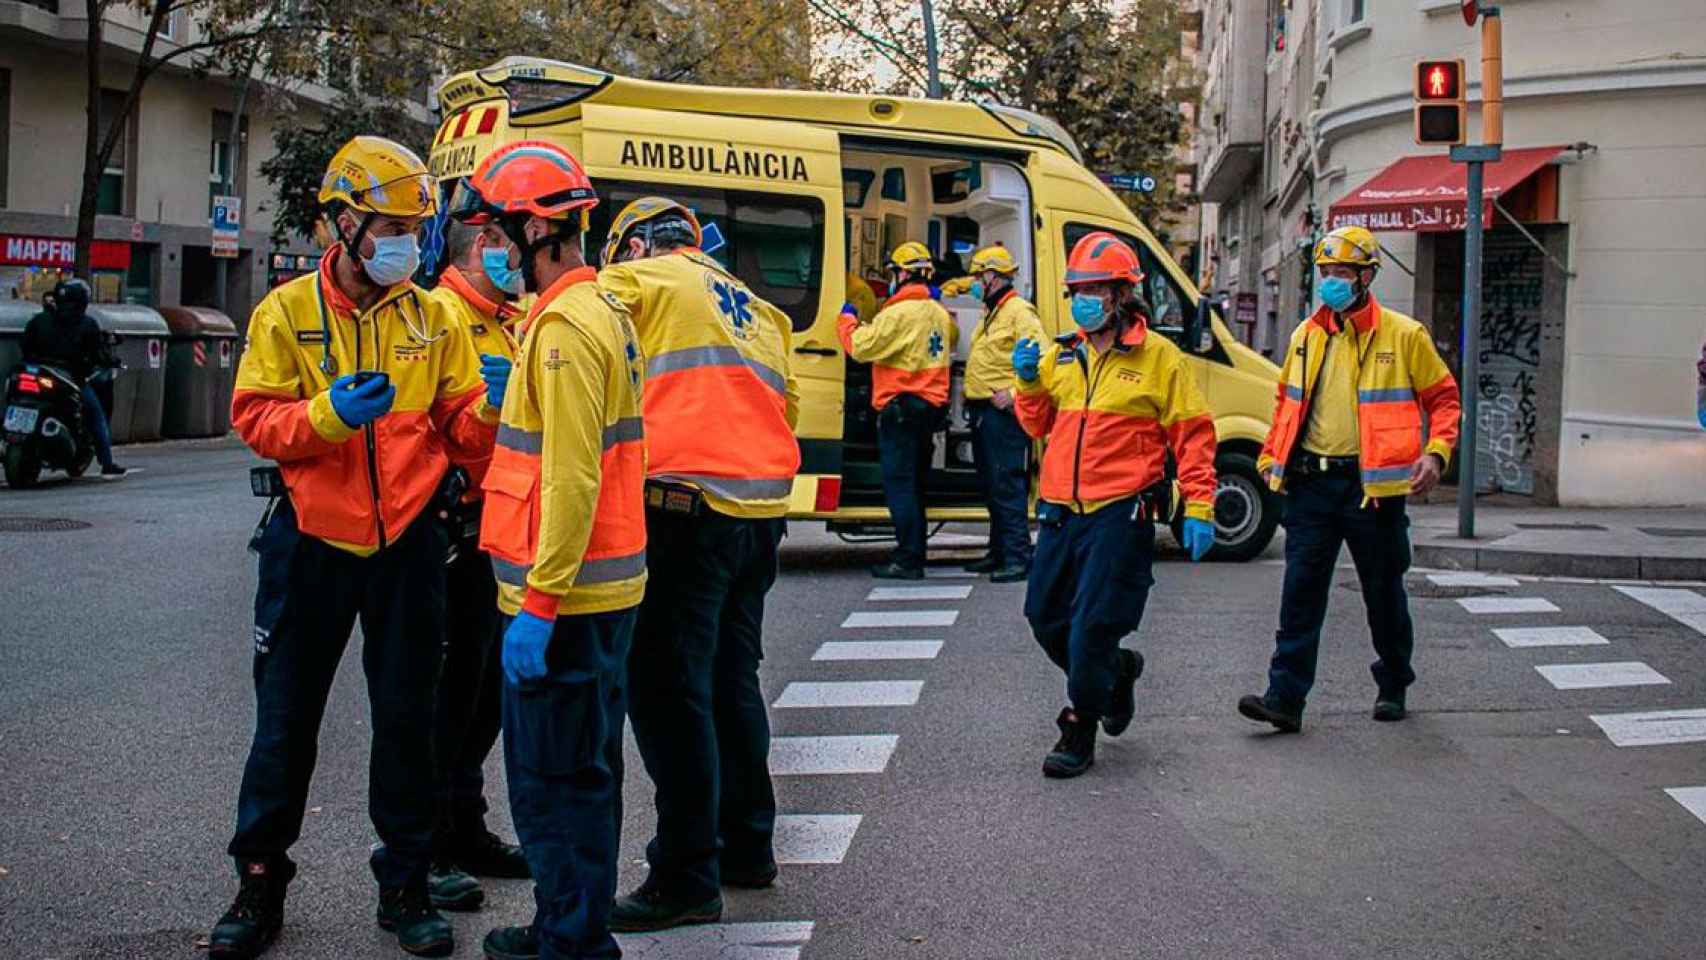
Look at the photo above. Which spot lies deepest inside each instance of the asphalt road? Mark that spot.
(1500, 821)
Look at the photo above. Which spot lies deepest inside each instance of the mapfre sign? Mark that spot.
(18, 250)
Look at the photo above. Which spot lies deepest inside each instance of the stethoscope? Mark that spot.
(329, 363)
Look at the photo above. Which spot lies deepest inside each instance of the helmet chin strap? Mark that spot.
(353, 245)
(515, 228)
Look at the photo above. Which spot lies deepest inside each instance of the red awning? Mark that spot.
(1430, 193)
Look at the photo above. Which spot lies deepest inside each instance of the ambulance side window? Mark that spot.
(772, 241)
(1167, 303)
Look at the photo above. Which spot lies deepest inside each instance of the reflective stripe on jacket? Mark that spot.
(989, 366)
(909, 345)
(720, 397)
(359, 488)
(564, 518)
(1110, 419)
(1399, 376)
(486, 322)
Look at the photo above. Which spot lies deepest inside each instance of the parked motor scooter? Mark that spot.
(44, 424)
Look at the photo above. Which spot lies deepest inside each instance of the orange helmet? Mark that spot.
(1101, 257)
(525, 177)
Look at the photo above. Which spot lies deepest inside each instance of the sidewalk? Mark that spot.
(1633, 544)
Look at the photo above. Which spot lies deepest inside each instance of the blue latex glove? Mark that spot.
(524, 648)
(495, 371)
(1199, 537)
(359, 406)
(1703, 417)
(1027, 359)
(848, 308)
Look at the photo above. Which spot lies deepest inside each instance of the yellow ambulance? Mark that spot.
(801, 191)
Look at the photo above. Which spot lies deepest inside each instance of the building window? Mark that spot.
(1276, 25)
(1354, 11)
(220, 157)
(110, 198)
(5, 129)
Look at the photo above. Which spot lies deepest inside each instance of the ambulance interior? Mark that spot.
(954, 207)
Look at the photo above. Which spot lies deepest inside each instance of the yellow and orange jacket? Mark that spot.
(909, 345)
(358, 489)
(721, 400)
(564, 518)
(989, 365)
(1399, 376)
(487, 324)
(1110, 419)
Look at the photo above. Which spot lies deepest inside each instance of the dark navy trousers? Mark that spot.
(1089, 584)
(470, 694)
(906, 438)
(1002, 450)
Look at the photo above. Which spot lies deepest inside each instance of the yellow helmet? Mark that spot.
(1351, 246)
(640, 211)
(996, 258)
(913, 256)
(379, 176)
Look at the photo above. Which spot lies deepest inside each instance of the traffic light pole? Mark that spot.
(1476, 157)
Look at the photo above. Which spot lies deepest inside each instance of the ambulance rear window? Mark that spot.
(772, 241)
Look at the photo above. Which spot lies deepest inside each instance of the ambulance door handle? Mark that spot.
(817, 351)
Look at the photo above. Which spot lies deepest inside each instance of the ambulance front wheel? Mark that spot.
(1246, 513)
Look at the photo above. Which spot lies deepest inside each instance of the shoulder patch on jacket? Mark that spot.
(310, 336)
(1064, 357)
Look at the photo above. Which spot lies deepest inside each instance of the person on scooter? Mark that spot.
(63, 335)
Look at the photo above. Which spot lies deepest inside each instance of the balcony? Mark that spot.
(1235, 103)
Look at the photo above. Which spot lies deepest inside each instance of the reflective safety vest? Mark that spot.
(564, 518)
(1399, 376)
(1110, 419)
(720, 398)
(909, 345)
(487, 323)
(359, 488)
(989, 365)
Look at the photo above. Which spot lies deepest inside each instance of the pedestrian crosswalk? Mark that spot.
(1635, 728)
(725, 941)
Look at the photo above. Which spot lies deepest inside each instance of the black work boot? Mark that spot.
(759, 878)
(1076, 750)
(648, 909)
(989, 563)
(1011, 573)
(1125, 695)
(894, 571)
(511, 943)
(451, 889)
(255, 917)
(421, 930)
(1389, 709)
(484, 854)
(1285, 717)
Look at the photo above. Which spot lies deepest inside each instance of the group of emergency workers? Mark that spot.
(477, 484)
(538, 529)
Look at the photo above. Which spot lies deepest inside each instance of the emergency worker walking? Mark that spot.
(564, 524)
(363, 391)
(720, 407)
(909, 345)
(477, 291)
(1346, 447)
(999, 445)
(1112, 399)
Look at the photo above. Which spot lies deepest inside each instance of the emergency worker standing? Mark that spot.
(362, 390)
(478, 291)
(909, 345)
(1347, 447)
(1111, 399)
(999, 445)
(564, 524)
(720, 407)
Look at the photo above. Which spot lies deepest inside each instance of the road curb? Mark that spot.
(1598, 567)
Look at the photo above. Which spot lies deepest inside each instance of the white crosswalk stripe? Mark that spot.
(1693, 799)
(1550, 637)
(814, 837)
(866, 619)
(1470, 579)
(878, 650)
(1653, 727)
(851, 693)
(1507, 605)
(1683, 606)
(1590, 676)
(943, 592)
(721, 941)
(812, 756)
(947, 573)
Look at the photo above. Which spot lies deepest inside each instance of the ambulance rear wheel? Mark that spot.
(1246, 513)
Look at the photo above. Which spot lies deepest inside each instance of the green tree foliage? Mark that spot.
(303, 151)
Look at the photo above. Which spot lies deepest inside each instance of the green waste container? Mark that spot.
(139, 389)
(201, 369)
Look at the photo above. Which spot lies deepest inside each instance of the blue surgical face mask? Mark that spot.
(1088, 312)
(1336, 292)
(977, 289)
(495, 260)
(394, 259)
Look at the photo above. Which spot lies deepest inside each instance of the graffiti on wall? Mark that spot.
(1512, 292)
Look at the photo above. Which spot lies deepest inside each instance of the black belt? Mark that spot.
(674, 498)
(1312, 463)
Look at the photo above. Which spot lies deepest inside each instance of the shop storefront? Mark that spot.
(31, 265)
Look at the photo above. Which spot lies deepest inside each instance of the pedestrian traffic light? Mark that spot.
(1442, 112)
